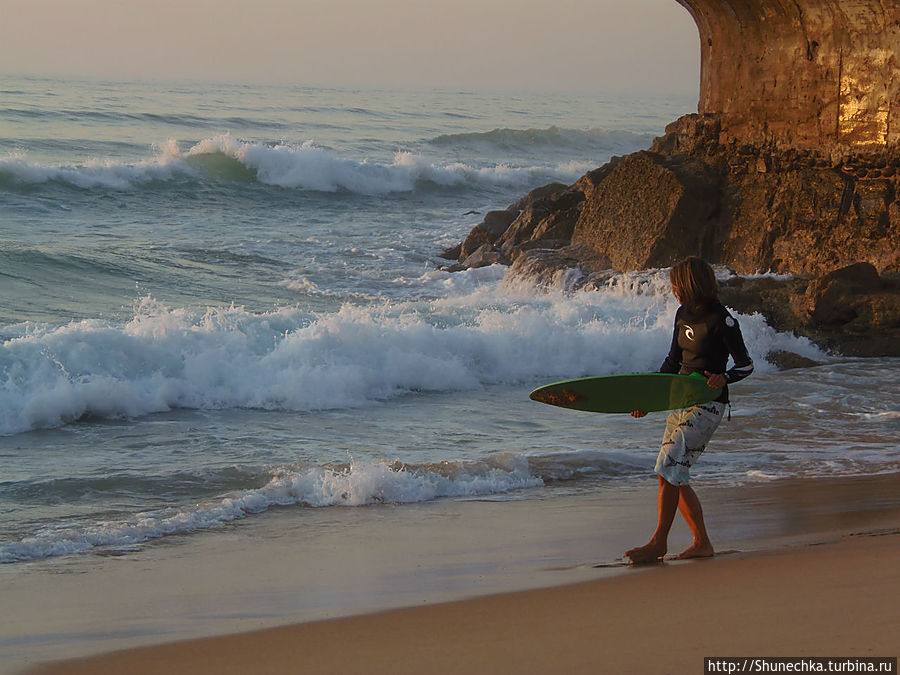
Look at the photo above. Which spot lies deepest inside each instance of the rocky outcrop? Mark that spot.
(791, 165)
(755, 209)
(552, 218)
(569, 267)
(764, 209)
(834, 227)
(544, 218)
(853, 310)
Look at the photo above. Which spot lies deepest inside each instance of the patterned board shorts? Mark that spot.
(688, 430)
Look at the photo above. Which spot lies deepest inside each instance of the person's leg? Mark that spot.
(667, 501)
(687, 432)
(692, 512)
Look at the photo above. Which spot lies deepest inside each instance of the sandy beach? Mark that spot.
(820, 580)
(829, 600)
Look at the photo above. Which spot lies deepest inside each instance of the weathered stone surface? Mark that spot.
(781, 301)
(452, 253)
(536, 206)
(801, 73)
(652, 210)
(696, 135)
(853, 296)
(514, 252)
(802, 214)
(490, 229)
(789, 360)
(483, 256)
(568, 268)
(545, 217)
(854, 310)
(537, 194)
(810, 221)
(550, 217)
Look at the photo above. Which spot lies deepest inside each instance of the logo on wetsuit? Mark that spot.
(689, 332)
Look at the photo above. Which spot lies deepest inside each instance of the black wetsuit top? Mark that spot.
(703, 340)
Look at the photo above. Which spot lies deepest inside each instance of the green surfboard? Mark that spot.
(623, 393)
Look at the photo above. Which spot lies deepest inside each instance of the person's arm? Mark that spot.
(734, 342)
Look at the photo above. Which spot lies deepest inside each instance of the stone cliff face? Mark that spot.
(791, 166)
(754, 208)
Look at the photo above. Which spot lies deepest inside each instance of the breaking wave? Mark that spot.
(287, 359)
(348, 484)
(304, 166)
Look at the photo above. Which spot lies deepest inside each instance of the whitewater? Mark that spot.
(219, 300)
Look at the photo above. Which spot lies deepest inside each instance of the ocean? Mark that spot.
(223, 302)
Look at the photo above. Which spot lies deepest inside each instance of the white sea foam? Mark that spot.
(887, 416)
(770, 275)
(300, 285)
(756, 475)
(287, 359)
(356, 483)
(97, 173)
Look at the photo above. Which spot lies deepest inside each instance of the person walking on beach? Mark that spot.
(705, 335)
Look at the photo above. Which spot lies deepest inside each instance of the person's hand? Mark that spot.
(638, 413)
(716, 380)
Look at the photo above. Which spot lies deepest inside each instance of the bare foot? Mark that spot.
(645, 554)
(698, 550)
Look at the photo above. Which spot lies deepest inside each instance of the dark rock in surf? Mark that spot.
(490, 229)
(569, 267)
(452, 253)
(784, 360)
(549, 218)
(841, 297)
(483, 256)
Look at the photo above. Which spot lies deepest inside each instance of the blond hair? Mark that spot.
(694, 282)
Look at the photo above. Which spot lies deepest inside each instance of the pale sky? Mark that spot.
(594, 45)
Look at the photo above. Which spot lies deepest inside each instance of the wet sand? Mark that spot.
(831, 600)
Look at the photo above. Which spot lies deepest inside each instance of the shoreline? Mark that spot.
(292, 570)
(831, 599)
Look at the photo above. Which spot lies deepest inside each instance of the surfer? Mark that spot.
(704, 337)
